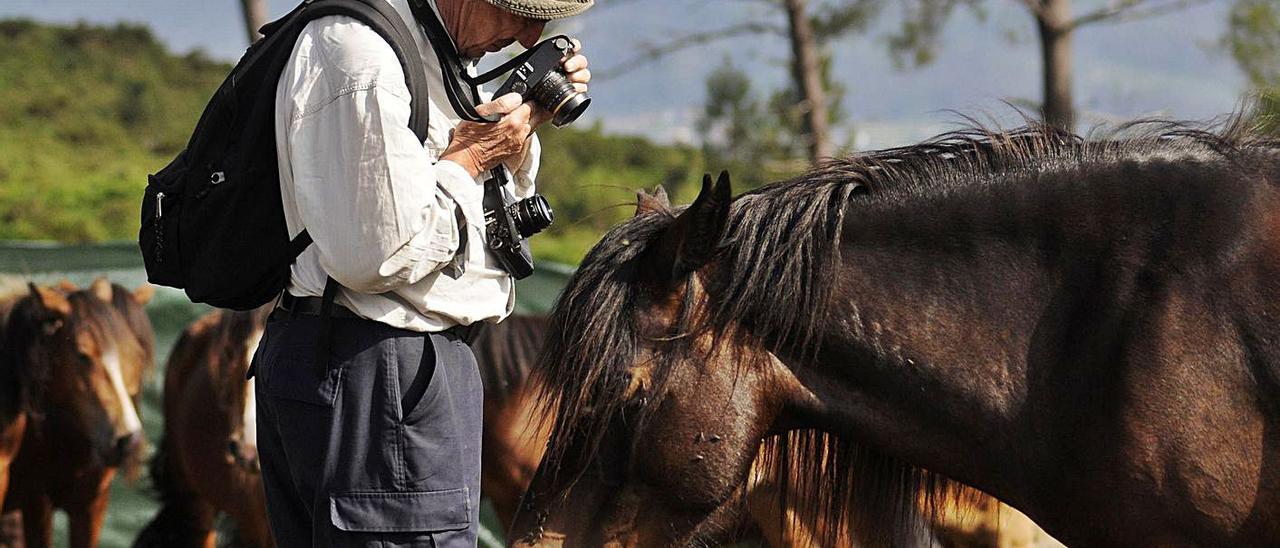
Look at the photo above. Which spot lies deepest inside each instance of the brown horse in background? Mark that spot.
(79, 368)
(207, 460)
(514, 437)
(1086, 329)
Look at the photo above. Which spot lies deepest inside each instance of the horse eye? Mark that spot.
(84, 359)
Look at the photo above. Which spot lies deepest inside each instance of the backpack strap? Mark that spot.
(387, 22)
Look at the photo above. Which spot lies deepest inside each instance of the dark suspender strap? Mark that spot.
(450, 63)
(299, 244)
(326, 326)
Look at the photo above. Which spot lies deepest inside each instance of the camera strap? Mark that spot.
(450, 64)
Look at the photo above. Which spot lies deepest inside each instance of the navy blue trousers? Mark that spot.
(377, 445)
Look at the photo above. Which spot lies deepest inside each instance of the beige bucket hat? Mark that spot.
(544, 9)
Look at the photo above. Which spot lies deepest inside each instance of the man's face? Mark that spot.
(479, 27)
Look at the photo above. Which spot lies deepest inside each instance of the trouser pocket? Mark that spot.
(411, 518)
(440, 415)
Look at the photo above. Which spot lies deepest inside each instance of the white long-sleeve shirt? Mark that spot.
(384, 212)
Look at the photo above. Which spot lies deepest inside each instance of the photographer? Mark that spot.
(377, 439)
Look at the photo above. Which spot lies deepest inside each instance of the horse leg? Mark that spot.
(37, 522)
(86, 521)
(11, 529)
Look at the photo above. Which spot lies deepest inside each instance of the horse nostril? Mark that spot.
(128, 443)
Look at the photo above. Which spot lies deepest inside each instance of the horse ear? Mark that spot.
(101, 288)
(144, 293)
(65, 286)
(652, 203)
(51, 300)
(692, 240)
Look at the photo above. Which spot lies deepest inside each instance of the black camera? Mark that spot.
(531, 215)
(508, 225)
(541, 79)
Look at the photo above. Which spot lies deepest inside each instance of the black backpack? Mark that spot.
(212, 220)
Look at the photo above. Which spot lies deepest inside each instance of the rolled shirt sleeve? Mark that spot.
(383, 213)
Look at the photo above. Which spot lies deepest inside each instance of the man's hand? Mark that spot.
(478, 147)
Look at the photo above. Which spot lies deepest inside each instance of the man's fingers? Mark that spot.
(538, 116)
(502, 105)
(577, 46)
(582, 88)
(521, 114)
(580, 76)
(575, 63)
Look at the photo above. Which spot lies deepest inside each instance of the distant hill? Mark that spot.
(86, 112)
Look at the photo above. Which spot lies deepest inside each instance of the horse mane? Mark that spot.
(773, 277)
(225, 333)
(135, 315)
(506, 352)
(24, 325)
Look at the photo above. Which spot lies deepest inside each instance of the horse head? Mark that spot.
(659, 415)
(76, 357)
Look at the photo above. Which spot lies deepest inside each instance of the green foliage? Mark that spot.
(917, 39)
(591, 180)
(757, 140)
(1253, 38)
(85, 113)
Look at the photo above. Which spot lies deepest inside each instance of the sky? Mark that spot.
(1169, 66)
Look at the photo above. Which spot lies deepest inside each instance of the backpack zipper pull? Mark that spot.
(159, 204)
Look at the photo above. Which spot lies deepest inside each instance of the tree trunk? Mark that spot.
(255, 15)
(806, 69)
(1054, 21)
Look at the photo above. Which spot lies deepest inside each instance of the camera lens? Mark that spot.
(557, 94)
(531, 215)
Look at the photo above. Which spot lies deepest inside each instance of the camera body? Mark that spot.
(541, 79)
(509, 223)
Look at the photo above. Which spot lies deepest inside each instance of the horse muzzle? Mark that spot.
(125, 447)
(244, 455)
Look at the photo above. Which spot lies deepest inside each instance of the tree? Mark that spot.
(804, 72)
(255, 15)
(1055, 26)
(807, 31)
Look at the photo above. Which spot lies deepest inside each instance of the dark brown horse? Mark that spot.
(515, 436)
(207, 461)
(1085, 329)
(13, 420)
(79, 368)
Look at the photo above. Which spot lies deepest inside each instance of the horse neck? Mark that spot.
(964, 328)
